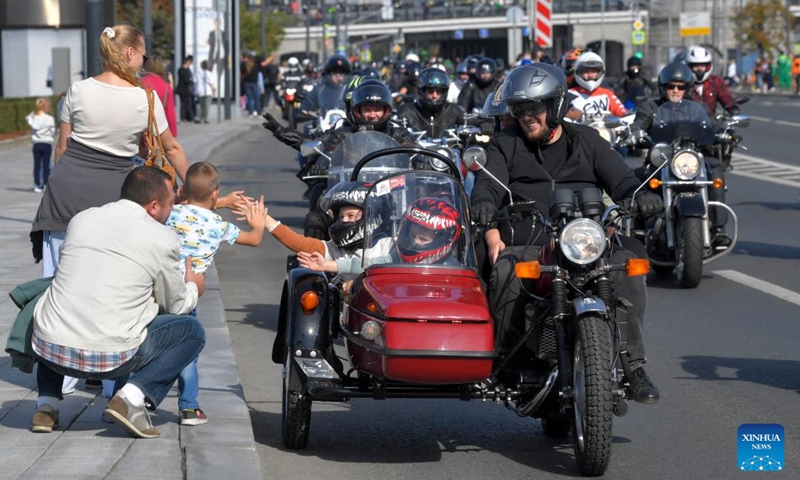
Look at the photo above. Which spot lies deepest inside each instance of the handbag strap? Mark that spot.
(154, 143)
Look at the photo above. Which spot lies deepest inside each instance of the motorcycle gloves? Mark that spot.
(319, 168)
(483, 213)
(649, 204)
(272, 124)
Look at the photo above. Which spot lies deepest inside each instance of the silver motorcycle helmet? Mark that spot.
(537, 82)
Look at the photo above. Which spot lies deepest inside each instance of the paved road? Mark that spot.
(724, 354)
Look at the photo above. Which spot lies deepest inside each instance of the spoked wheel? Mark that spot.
(592, 396)
(296, 412)
(689, 251)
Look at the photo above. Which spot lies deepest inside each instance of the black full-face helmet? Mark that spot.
(534, 83)
(673, 73)
(348, 235)
(485, 65)
(372, 92)
(432, 78)
(337, 63)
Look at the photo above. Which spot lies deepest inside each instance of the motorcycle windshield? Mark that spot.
(355, 147)
(685, 120)
(329, 98)
(418, 218)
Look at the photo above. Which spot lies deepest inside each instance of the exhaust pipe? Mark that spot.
(530, 407)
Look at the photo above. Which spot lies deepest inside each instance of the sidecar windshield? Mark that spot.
(355, 147)
(418, 218)
(684, 120)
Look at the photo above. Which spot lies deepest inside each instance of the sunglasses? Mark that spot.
(673, 86)
(527, 109)
(440, 91)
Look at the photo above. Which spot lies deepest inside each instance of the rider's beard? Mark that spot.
(541, 135)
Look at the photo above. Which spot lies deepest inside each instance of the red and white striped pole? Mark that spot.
(541, 24)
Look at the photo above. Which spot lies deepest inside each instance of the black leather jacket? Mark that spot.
(419, 118)
(474, 96)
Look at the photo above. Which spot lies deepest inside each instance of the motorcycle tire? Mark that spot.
(296, 411)
(689, 252)
(290, 116)
(593, 401)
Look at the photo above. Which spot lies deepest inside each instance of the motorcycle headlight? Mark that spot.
(582, 241)
(439, 165)
(291, 91)
(685, 165)
(308, 88)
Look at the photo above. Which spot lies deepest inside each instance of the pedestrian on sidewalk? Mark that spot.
(43, 129)
(796, 74)
(156, 79)
(119, 262)
(185, 89)
(205, 89)
(201, 232)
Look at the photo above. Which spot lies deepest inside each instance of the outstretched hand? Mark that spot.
(315, 261)
(272, 124)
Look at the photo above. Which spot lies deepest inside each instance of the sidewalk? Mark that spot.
(85, 447)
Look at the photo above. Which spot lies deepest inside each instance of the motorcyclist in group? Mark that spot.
(370, 110)
(474, 93)
(337, 67)
(633, 88)
(461, 79)
(709, 89)
(431, 112)
(675, 83)
(408, 87)
(591, 96)
(567, 64)
(541, 153)
(495, 107)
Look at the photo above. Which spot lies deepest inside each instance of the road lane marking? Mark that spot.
(761, 285)
(760, 119)
(765, 170)
(772, 120)
(790, 124)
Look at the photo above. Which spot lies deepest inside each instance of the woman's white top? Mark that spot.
(204, 82)
(109, 118)
(43, 127)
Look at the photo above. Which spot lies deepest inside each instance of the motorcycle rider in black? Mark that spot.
(337, 67)
(473, 95)
(431, 112)
(674, 85)
(540, 153)
(634, 88)
(370, 109)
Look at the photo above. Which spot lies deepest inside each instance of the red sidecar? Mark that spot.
(415, 321)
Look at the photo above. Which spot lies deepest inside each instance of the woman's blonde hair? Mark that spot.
(112, 51)
(42, 105)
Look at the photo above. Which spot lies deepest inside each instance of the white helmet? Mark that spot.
(293, 63)
(412, 57)
(700, 55)
(586, 61)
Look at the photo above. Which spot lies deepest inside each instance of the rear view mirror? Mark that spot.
(741, 120)
(309, 147)
(474, 158)
(660, 154)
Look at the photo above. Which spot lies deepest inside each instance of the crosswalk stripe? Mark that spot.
(766, 170)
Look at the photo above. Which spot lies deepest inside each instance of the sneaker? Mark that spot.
(69, 385)
(38, 189)
(641, 388)
(135, 420)
(193, 417)
(45, 419)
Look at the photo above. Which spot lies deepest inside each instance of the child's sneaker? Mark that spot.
(193, 417)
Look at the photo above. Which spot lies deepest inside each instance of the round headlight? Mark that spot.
(291, 91)
(685, 165)
(370, 330)
(582, 241)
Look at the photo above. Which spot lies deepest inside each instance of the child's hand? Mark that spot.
(236, 201)
(315, 261)
(258, 215)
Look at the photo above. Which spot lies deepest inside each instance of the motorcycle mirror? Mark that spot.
(308, 147)
(741, 120)
(474, 158)
(660, 154)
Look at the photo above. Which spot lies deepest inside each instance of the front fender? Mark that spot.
(586, 305)
(298, 330)
(690, 204)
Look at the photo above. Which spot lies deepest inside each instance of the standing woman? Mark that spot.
(155, 79)
(205, 89)
(252, 91)
(102, 122)
(43, 128)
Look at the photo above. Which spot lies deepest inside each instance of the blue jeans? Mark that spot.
(189, 383)
(253, 96)
(41, 163)
(172, 342)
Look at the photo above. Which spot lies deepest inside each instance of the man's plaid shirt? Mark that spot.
(77, 359)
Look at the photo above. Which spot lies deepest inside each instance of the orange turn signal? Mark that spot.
(655, 183)
(530, 269)
(372, 307)
(718, 183)
(309, 301)
(637, 266)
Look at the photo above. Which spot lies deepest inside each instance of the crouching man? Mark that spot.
(118, 306)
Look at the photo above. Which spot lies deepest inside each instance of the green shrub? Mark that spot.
(8, 117)
(14, 110)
